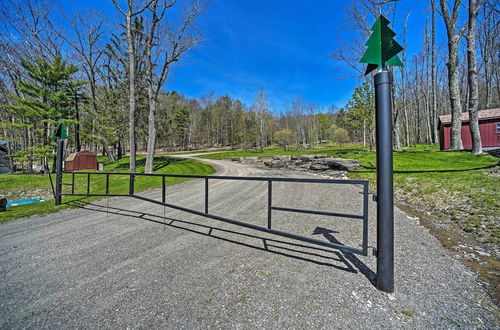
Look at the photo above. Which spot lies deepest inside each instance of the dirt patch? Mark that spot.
(463, 246)
(35, 193)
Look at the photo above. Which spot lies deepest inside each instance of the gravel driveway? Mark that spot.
(126, 265)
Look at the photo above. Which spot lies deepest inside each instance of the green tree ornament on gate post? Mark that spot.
(382, 48)
(382, 51)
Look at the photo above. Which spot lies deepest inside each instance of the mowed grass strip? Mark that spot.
(457, 185)
(118, 184)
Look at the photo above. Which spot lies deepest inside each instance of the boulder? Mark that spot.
(320, 156)
(341, 164)
(319, 166)
(306, 158)
(281, 158)
(276, 164)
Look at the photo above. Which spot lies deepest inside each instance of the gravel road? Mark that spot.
(119, 263)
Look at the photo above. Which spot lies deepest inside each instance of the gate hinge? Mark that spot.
(374, 251)
(374, 197)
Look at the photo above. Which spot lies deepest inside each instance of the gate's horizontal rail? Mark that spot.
(259, 228)
(332, 214)
(98, 195)
(238, 178)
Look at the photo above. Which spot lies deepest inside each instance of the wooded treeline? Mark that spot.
(105, 77)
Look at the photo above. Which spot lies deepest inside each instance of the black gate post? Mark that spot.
(385, 207)
(59, 161)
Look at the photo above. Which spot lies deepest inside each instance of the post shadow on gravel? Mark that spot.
(363, 269)
(308, 253)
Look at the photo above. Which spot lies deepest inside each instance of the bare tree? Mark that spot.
(85, 39)
(453, 69)
(488, 46)
(129, 14)
(433, 73)
(165, 44)
(399, 108)
(261, 109)
(299, 118)
(472, 84)
(28, 21)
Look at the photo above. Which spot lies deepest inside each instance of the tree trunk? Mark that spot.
(364, 134)
(151, 133)
(453, 74)
(109, 152)
(78, 143)
(396, 124)
(119, 151)
(454, 90)
(131, 59)
(433, 74)
(472, 80)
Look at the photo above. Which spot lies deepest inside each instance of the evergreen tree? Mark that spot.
(361, 111)
(182, 120)
(47, 97)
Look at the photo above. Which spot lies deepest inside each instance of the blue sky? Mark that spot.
(278, 45)
(283, 46)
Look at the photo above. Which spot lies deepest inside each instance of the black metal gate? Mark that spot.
(363, 216)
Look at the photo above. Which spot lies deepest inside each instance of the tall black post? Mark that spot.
(385, 207)
(59, 162)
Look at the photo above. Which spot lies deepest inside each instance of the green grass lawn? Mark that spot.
(192, 151)
(19, 184)
(457, 185)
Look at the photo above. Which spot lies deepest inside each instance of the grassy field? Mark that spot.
(22, 186)
(457, 185)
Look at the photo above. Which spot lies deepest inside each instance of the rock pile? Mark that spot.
(321, 164)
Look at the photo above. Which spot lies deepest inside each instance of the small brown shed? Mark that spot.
(82, 160)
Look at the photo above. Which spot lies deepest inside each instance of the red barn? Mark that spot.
(489, 125)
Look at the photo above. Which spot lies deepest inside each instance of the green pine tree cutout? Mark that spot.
(382, 48)
(62, 131)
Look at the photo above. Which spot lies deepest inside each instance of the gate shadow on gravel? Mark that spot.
(297, 251)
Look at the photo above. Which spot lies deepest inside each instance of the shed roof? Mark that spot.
(483, 114)
(73, 155)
